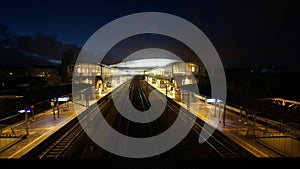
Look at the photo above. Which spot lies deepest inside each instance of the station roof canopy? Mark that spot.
(145, 63)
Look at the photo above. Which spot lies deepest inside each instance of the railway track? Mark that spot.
(61, 147)
(220, 145)
(67, 142)
(60, 144)
(63, 143)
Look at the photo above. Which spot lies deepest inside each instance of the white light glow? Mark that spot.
(63, 99)
(145, 63)
(212, 100)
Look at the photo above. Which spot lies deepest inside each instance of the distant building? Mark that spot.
(49, 73)
(11, 77)
(13, 72)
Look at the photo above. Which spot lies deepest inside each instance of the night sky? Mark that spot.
(244, 33)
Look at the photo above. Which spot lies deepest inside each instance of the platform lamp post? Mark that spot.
(219, 111)
(188, 101)
(224, 114)
(25, 111)
(32, 109)
(57, 107)
(215, 107)
(166, 89)
(52, 105)
(26, 121)
(254, 125)
(241, 111)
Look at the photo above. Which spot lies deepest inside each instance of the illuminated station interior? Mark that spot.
(160, 72)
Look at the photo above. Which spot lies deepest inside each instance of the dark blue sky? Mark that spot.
(243, 32)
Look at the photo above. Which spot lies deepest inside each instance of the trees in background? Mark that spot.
(67, 63)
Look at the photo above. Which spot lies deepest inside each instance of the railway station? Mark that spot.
(69, 128)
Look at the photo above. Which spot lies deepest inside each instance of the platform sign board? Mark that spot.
(27, 110)
(21, 111)
(63, 99)
(211, 100)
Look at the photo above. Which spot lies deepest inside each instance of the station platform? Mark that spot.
(241, 130)
(44, 125)
(41, 127)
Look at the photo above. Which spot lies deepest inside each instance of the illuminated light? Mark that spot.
(21, 111)
(213, 100)
(145, 63)
(193, 69)
(63, 99)
(28, 110)
(10, 73)
(218, 100)
(210, 100)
